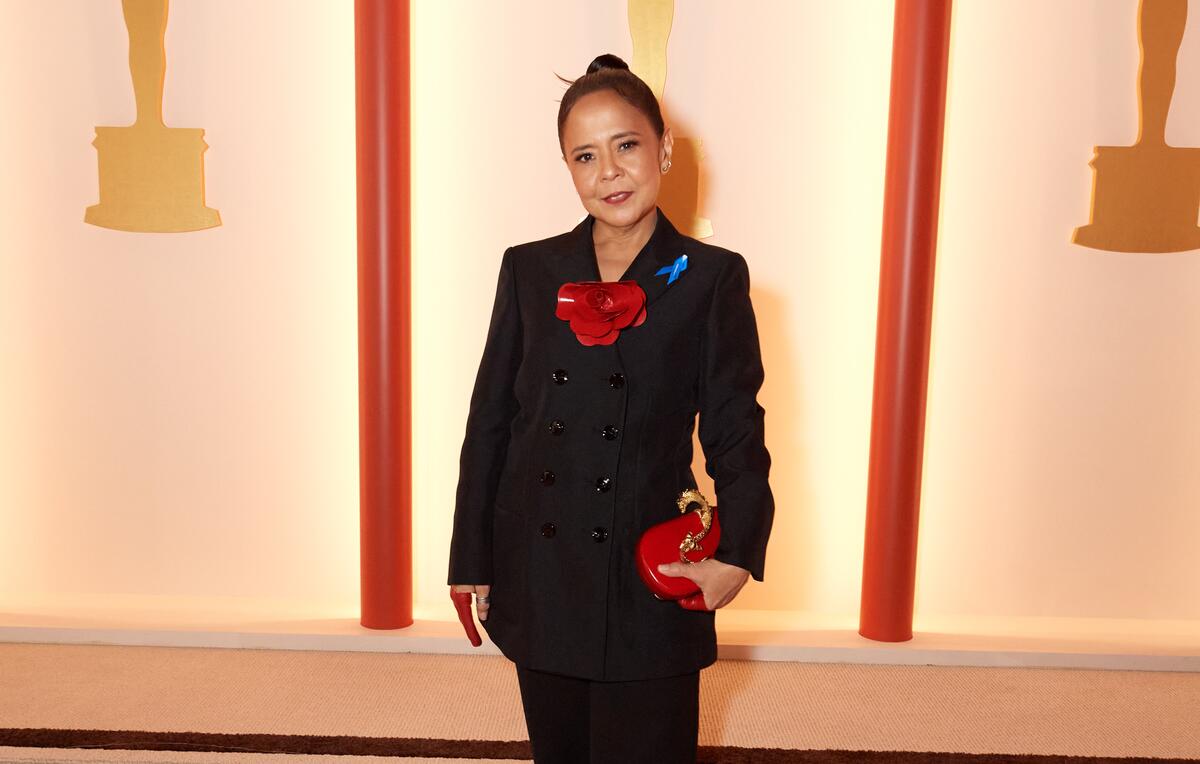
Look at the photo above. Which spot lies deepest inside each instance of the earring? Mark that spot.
(666, 167)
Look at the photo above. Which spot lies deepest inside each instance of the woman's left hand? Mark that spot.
(719, 582)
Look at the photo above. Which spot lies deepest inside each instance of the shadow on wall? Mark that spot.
(680, 195)
(790, 565)
(791, 568)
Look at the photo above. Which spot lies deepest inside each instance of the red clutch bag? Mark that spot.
(678, 539)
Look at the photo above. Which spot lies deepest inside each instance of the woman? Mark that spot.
(579, 438)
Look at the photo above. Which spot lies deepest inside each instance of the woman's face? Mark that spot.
(614, 157)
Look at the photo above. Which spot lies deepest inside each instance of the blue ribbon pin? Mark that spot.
(675, 268)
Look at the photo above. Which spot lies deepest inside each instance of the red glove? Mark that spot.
(462, 603)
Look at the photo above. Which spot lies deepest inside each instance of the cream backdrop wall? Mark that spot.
(1064, 417)
(178, 413)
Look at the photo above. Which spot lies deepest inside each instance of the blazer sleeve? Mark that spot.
(731, 426)
(485, 445)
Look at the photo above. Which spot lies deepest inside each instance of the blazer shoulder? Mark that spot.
(711, 257)
(709, 250)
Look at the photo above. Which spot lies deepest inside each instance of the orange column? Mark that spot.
(381, 44)
(920, 46)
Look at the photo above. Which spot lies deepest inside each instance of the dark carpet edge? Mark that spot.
(347, 745)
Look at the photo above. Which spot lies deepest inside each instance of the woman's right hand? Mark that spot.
(480, 590)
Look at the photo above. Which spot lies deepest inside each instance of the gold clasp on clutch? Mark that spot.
(687, 497)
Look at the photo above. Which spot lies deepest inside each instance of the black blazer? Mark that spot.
(550, 503)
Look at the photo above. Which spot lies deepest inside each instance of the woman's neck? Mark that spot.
(617, 243)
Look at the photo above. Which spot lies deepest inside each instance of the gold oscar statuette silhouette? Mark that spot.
(151, 175)
(1146, 197)
(679, 196)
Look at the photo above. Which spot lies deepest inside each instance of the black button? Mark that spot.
(609, 432)
(548, 530)
(547, 478)
(599, 534)
(556, 427)
(617, 380)
(559, 376)
(603, 484)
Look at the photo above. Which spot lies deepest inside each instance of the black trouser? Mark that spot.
(579, 721)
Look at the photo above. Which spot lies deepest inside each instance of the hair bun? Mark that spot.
(606, 61)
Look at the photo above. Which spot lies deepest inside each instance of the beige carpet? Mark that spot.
(41, 756)
(745, 704)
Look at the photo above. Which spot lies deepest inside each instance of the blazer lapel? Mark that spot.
(661, 251)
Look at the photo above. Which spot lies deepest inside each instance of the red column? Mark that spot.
(381, 47)
(920, 46)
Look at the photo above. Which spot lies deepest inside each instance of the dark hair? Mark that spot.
(609, 72)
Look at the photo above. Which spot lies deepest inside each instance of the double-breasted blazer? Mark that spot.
(572, 451)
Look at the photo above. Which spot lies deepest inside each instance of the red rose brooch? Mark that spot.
(599, 310)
